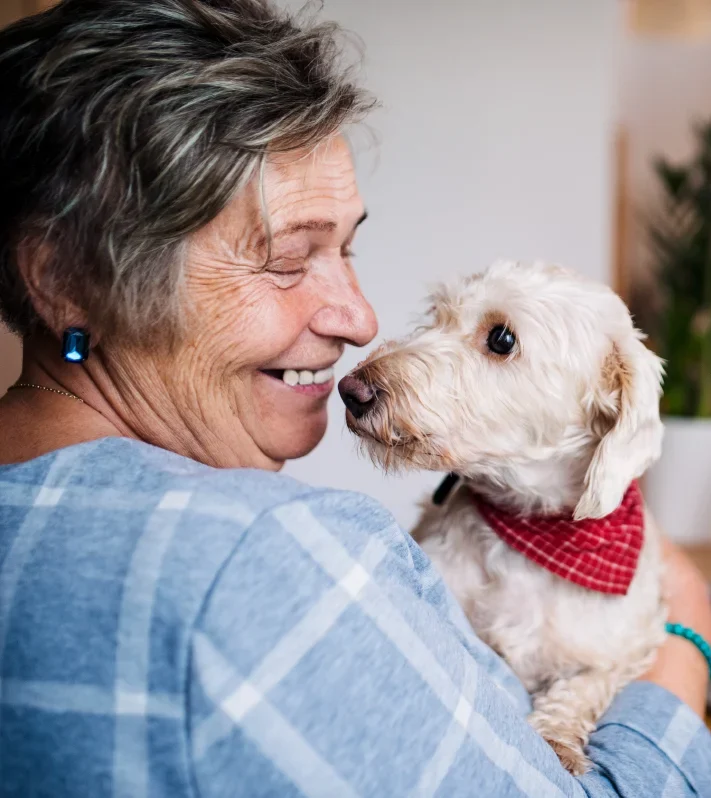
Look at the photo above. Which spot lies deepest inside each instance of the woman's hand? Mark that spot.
(680, 667)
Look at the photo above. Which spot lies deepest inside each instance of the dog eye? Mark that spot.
(501, 340)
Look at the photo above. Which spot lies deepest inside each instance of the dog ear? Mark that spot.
(625, 413)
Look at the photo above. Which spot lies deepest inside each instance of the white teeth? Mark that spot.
(325, 375)
(306, 377)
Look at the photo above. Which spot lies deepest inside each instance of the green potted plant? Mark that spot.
(677, 316)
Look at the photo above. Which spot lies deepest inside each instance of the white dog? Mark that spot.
(533, 386)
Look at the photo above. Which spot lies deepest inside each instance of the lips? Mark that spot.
(316, 384)
(302, 377)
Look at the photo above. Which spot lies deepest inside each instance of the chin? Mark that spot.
(293, 441)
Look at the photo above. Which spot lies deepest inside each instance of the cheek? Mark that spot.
(246, 323)
(520, 406)
(478, 402)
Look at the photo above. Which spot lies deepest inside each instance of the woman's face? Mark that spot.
(260, 322)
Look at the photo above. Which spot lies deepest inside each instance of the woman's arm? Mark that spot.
(680, 666)
(325, 663)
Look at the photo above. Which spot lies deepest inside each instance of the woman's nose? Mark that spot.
(348, 315)
(359, 397)
(365, 326)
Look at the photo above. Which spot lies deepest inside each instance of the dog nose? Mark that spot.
(357, 395)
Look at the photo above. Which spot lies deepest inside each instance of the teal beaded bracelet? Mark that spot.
(692, 637)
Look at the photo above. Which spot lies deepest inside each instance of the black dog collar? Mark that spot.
(441, 495)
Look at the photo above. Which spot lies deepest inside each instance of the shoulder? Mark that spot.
(120, 503)
(165, 525)
(247, 501)
(118, 473)
(120, 541)
(129, 466)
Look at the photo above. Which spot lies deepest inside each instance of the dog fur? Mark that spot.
(563, 423)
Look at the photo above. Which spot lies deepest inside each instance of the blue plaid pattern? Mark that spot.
(168, 629)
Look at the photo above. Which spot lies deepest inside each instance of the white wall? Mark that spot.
(496, 140)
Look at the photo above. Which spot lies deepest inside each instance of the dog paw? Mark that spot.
(572, 759)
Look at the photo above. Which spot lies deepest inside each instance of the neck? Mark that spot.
(549, 486)
(119, 400)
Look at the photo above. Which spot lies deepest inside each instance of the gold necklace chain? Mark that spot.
(19, 385)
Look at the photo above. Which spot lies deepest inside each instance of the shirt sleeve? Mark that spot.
(329, 660)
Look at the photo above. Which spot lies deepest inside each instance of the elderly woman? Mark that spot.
(176, 619)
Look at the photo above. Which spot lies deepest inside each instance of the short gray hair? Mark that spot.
(127, 125)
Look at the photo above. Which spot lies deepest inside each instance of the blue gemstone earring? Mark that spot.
(75, 345)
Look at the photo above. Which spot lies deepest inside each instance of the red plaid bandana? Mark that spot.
(598, 553)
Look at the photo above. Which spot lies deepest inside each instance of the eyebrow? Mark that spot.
(318, 225)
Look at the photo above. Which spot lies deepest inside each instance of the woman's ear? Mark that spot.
(56, 310)
(625, 411)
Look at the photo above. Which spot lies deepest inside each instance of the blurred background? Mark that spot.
(575, 132)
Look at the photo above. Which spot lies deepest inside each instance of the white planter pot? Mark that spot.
(678, 487)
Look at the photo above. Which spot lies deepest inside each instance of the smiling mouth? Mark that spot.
(302, 377)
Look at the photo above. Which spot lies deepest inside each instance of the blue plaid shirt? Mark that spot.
(168, 629)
